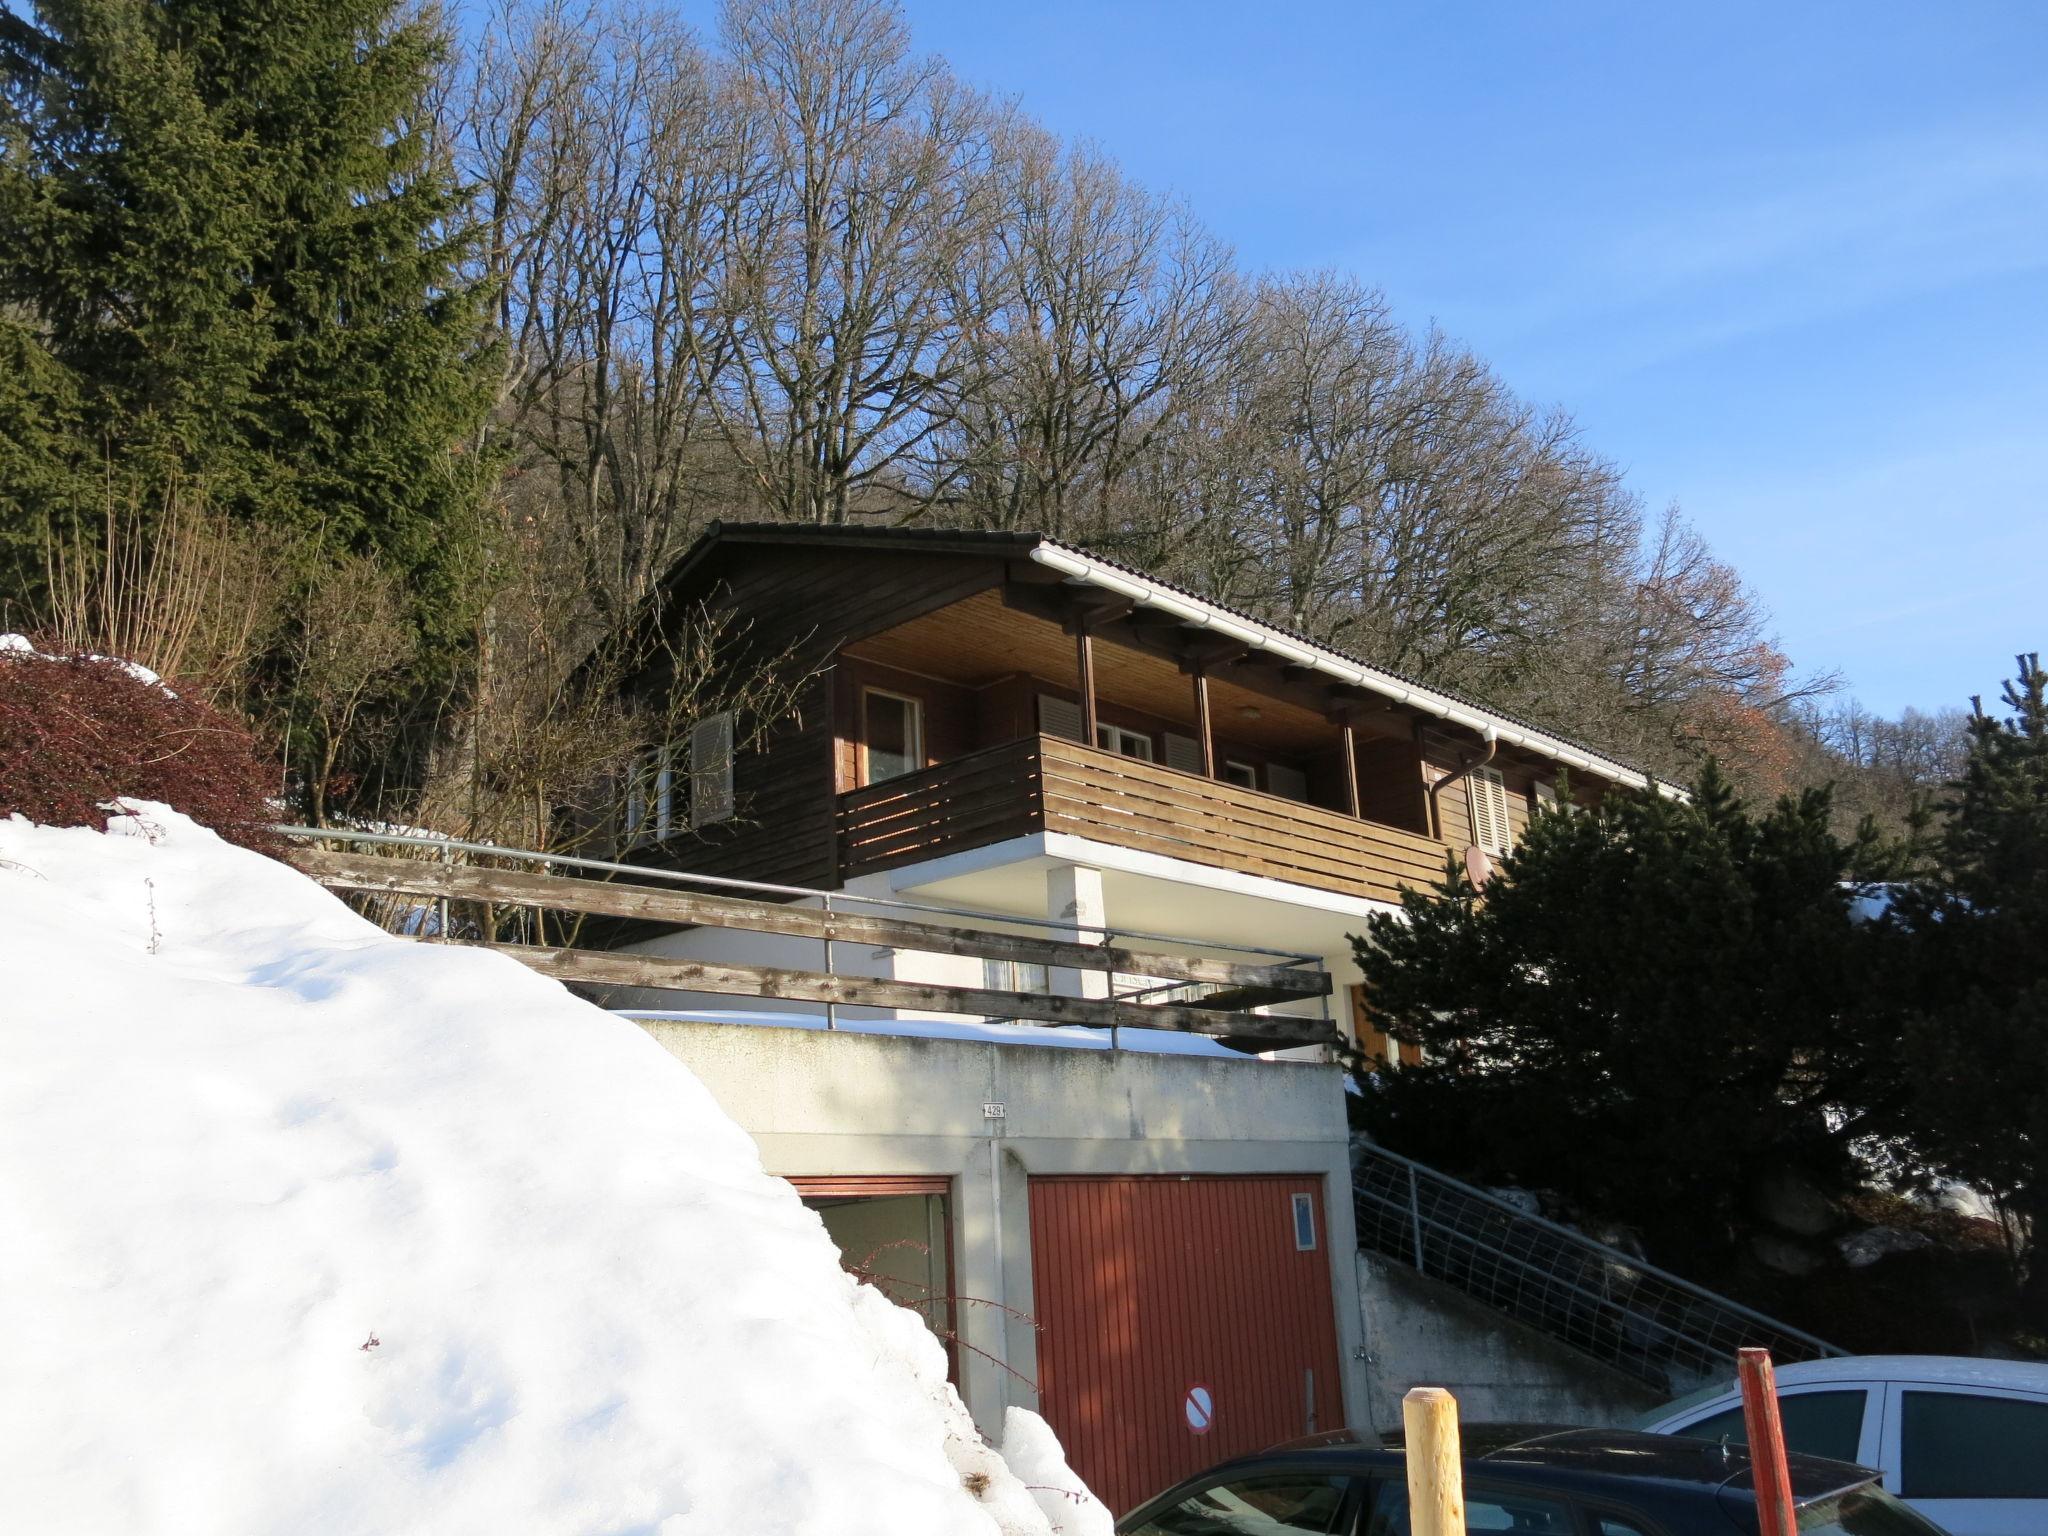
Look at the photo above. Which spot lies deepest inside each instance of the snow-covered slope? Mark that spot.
(308, 1229)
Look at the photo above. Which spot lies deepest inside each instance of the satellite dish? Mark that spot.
(1478, 867)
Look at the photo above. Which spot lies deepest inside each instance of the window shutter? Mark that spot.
(1184, 753)
(1291, 782)
(1486, 793)
(1059, 717)
(711, 793)
(1546, 794)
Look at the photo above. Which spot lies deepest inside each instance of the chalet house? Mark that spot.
(1001, 722)
(1153, 1245)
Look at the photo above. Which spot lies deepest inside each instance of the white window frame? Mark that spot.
(1251, 773)
(712, 749)
(650, 796)
(914, 735)
(1116, 737)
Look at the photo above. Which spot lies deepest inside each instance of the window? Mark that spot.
(650, 797)
(1305, 1223)
(1816, 1424)
(1483, 1512)
(891, 734)
(1183, 752)
(1114, 738)
(1486, 794)
(1059, 717)
(711, 793)
(1545, 795)
(1240, 773)
(1013, 976)
(1608, 1525)
(1290, 782)
(1958, 1445)
(1279, 1505)
(1865, 1511)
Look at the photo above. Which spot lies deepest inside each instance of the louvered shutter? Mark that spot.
(1546, 795)
(1291, 782)
(1059, 717)
(711, 791)
(1184, 753)
(1486, 792)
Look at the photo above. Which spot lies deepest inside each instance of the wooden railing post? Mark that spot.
(1773, 1479)
(1203, 728)
(1436, 1468)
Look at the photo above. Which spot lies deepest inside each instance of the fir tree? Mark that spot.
(1655, 1005)
(235, 260)
(1978, 1031)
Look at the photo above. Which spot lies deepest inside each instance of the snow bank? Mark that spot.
(21, 645)
(310, 1229)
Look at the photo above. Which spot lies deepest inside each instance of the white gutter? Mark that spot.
(1200, 615)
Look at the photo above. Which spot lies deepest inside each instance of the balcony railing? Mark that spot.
(1049, 784)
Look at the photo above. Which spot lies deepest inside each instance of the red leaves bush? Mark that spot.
(77, 731)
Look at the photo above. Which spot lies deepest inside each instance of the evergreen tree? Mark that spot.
(1655, 1005)
(230, 258)
(1978, 1032)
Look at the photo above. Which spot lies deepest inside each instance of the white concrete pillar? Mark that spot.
(1073, 900)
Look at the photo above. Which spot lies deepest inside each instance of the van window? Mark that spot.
(1826, 1424)
(1957, 1445)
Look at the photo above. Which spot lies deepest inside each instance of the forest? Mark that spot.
(363, 367)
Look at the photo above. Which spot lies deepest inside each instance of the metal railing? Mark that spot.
(1628, 1314)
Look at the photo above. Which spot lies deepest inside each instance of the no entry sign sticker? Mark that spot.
(1199, 1408)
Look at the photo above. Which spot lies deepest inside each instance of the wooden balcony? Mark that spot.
(1049, 784)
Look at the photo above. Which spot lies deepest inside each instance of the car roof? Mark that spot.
(1587, 1456)
(1945, 1370)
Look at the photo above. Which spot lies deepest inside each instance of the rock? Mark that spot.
(1791, 1202)
(1785, 1255)
(1523, 1200)
(1863, 1249)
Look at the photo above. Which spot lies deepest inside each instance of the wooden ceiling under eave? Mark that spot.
(984, 638)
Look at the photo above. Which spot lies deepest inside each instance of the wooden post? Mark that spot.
(1351, 768)
(1202, 729)
(1773, 1479)
(1084, 647)
(1436, 1469)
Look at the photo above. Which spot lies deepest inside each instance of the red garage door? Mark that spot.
(1182, 1320)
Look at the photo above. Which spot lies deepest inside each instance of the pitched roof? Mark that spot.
(1084, 567)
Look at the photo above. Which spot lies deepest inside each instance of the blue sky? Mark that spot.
(1787, 263)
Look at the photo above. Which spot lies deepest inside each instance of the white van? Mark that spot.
(1963, 1441)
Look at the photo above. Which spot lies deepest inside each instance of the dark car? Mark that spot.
(1528, 1480)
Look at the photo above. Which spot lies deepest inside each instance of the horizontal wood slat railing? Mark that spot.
(1049, 784)
(1246, 984)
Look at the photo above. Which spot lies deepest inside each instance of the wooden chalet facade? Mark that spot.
(966, 693)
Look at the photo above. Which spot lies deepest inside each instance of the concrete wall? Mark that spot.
(1420, 1332)
(824, 1103)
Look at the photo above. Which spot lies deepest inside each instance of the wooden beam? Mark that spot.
(1084, 656)
(1207, 656)
(1350, 768)
(660, 973)
(1203, 729)
(518, 888)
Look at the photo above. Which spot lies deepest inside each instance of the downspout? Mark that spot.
(1465, 770)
